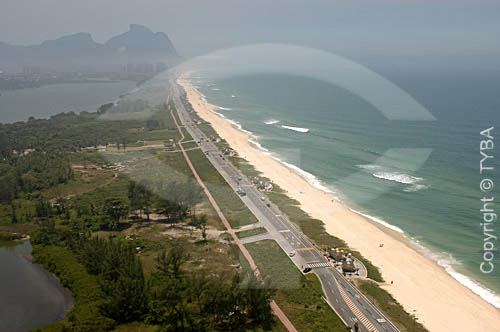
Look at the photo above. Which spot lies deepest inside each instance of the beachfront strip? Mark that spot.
(347, 301)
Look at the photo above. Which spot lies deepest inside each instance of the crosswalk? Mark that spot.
(319, 264)
(359, 315)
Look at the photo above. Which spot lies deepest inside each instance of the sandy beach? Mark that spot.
(422, 286)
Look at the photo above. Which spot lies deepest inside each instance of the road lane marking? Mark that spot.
(361, 317)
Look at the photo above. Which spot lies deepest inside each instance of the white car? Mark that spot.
(292, 253)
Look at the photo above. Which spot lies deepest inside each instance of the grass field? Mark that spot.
(313, 228)
(232, 206)
(297, 295)
(251, 232)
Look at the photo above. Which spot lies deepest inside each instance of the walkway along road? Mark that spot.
(343, 297)
(276, 310)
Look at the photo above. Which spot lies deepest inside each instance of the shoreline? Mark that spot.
(421, 285)
(69, 300)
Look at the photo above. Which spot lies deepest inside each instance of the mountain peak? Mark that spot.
(139, 28)
(141, 40)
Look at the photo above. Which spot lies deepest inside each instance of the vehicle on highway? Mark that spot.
(292, 253)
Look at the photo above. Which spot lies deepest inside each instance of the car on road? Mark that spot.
(241, 192)
(292, 253)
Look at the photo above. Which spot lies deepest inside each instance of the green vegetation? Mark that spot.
(138, 251)
(299, 296)
(313, 228)
(5, 236)
(109, 285)
(251, 232)
(383, 300)
(232, 206)
(8, 239)
(85, 315)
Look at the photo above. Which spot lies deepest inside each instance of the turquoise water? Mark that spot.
(48, 100)
(420, 177)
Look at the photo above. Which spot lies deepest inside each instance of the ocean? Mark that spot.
(420, 178)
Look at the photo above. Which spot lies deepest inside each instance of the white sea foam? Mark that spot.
(215, 89)
(254, 141)
(448, 262)
(443, 259)
(300, 130)
(310, 178)
(270, 122)
(219, 114)
(233, 96)
(416, 187)
(369, 166)
(414, 182)
(379, 221)
(397, 177)
(224, 108)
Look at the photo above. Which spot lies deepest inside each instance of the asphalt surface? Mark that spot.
(345, 299)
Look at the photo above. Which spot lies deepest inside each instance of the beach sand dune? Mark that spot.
(422, 286)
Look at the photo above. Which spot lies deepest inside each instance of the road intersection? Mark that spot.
(342, 296)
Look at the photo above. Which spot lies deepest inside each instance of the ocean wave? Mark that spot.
(254, 141)
(270, 122)
(416, 187)
(224, 108)
(233, 96)
(219, 114)
(379, 221)
(397, 177)
(310, 178)
(300, 130)
(443, 259)
(447, 261)
(369, 166)
(215, 89)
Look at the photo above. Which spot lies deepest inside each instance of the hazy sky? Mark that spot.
(348, 27)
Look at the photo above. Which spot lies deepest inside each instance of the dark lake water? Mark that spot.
(30, 297)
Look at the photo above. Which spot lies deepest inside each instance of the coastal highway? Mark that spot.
(345, 299)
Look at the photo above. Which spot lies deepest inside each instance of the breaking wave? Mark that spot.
(270, 122)
(300, 130)
(397, 177)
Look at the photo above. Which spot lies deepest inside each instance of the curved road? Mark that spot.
(345, 299)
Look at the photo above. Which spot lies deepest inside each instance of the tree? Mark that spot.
(140, 198)
(43, 209)
(201, 223)
(170, 263)
(115, 208)
(14, 215)
(104, 108)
